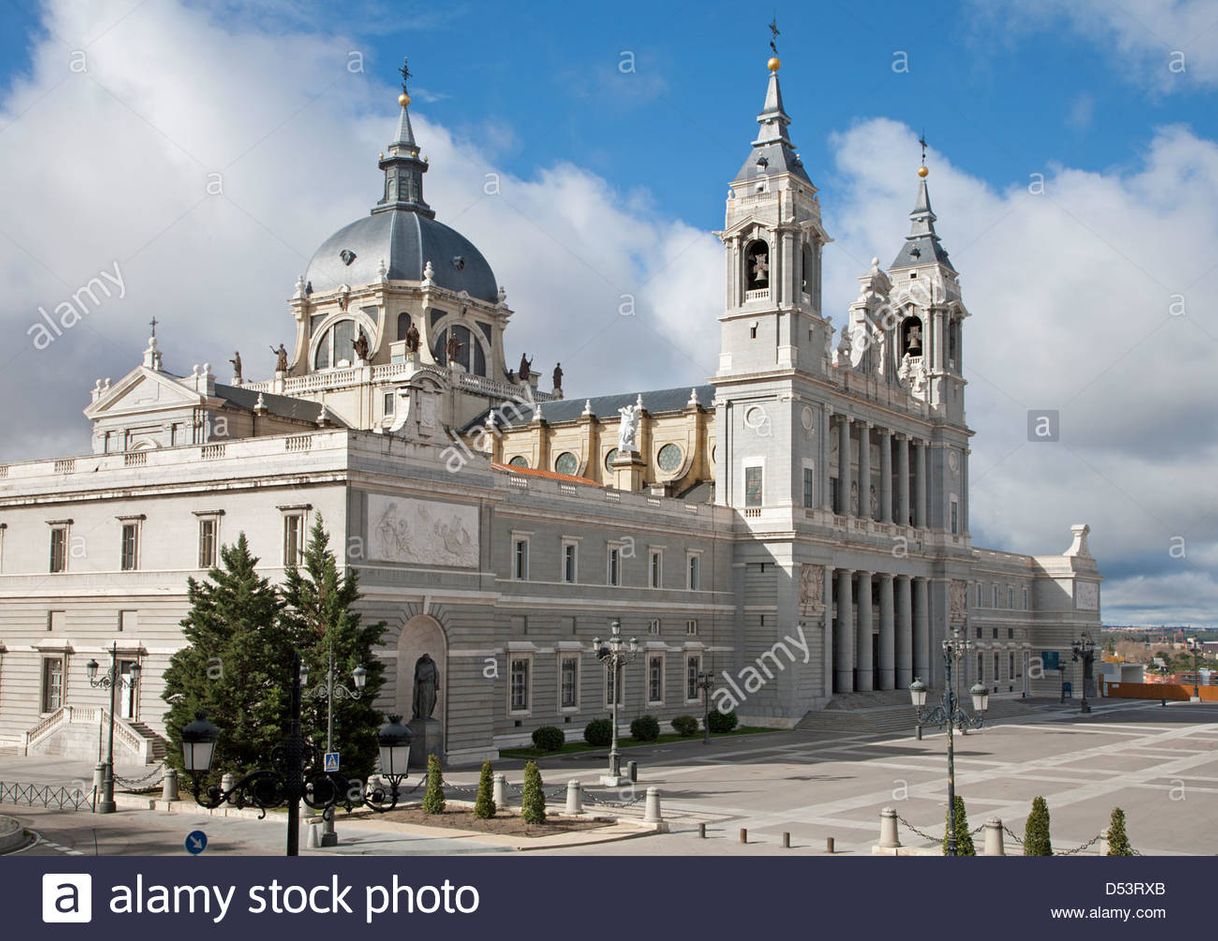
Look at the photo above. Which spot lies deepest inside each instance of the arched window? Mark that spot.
(808, 262)
(757, 265)
(953, 342)
(475, 364)
(403, 325)
(912, 336)
(335, 347)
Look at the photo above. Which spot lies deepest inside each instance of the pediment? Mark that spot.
(144, 390)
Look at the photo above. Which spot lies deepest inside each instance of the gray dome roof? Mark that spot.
(405, 241)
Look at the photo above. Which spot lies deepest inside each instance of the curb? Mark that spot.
(12, 834)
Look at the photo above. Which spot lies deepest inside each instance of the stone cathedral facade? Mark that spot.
(798, 525)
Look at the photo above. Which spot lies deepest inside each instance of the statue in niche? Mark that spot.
(426, 685)
(360, 346)
(412, 338)
(875, 504)
(281, 358)
(452, 349)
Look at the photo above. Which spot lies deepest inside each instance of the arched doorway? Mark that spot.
(421, 635)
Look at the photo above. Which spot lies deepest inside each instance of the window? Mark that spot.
(757, 265)
(834, 491)
(694, 569)
(209, 530)
(568, 672)
(955, 520)
(653, 626)
(470, 354)
(128, 694)
(1011, 597)
(389, 404)
(56, 620)
(59, 549)
(980, 595)
(520, 559)
(693, 666)
(994, 595)
(130, 560)
(997, 669)
(691, 627)
(1011, 665)
(570, 561)
(336, 346)
(1010, 633)
(519, 684)
(3, 527)
(980, 668)
(1025, 599)
(995, 634)
(613, 574)
(403, 325)
(655, 568)
(809, 487)
(655, 679)
(52, 683)
(753, 480)
(293, 538)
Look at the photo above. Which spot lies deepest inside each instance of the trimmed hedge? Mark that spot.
(549, 738)
(1036, 839)
(598, 732)
(645, 729)
(533, 800)
(433, 797)
(484, 804)
(685, 726)
(722, 721)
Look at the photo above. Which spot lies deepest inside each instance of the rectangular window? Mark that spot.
(1025, 599)
(655, 568)
(833, 495)
(995, 634)
(994, 595)
(520, 684)
(1011, 665)
(209, 530)
(131, 547)
(1010, 633)
(691, 627)
(653, 626)
(56, 621)
(390, 400)
(809, 487)
(570, 562)
(980, 668)
(52, 683)
(569, 682)
(695, 572)
(753, 476)
(293, 539)
(59, 550)
(955, 516)
(655, 679)
(613, 574)
(980, 596)
(128, 693)
(1011, 597)
(520, 559)
(997, 669)
(693, 666)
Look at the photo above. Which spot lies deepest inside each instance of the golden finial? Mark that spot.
(922, 170)
(403, 99)
(775, 63)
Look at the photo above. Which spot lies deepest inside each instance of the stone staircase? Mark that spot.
(886, 712)
(158, 747)
(76, 731)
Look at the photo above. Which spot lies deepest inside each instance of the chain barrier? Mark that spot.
(921, 833)
(145, 783)
(1078, 849)
(593, 798)
(1011, 833)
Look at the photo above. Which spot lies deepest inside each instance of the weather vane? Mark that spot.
(405, 73)
(774, 35)
(922, 141)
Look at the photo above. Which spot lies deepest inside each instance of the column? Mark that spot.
(887, 665)
(843, 466)
(843, 636)
(904, 632)
(864, 677)
(885, 475)
(903, 479)
(920, 491)
(921, 630)
(865, 469)
(826, 488)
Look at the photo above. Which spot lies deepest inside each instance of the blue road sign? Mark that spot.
(331, 761)
(196, 842)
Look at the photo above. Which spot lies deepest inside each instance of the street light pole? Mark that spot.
(110, 682)
(614, 653)
(1195, 646)
(1084, 649)
(330, 690)
(706, 683)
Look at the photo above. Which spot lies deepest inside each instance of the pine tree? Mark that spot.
(533, 800)
(1036, 839)
(433, 797)
(319, 614)
(1118, 841)
(235, 667)
(484, 804)
(964, 839)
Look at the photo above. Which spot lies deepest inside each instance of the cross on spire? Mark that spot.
(774, 33)
(922, 141)
(152, 323)
(404, 71)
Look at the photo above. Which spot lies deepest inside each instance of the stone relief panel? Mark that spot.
(811, 589)
(422, 532)
(1086, 596)
(958, 600)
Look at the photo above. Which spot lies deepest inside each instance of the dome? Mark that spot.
(406, 241)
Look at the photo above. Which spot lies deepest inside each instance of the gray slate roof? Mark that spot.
(283, 406)
(605, 406)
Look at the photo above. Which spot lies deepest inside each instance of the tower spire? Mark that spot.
(922, 245)
(773, 151)
(402, 166)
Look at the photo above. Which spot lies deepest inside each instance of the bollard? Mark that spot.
(500, 791)
(632, 771)
(993, 838)
(313, 841)
(227, 782)
(744, 835)
(702, 830)
(888, 829)
(651, 812)
(169, 790)
(575, 798)
(786, 840)
(829, 844)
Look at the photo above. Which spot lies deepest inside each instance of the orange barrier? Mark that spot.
(1174, 692)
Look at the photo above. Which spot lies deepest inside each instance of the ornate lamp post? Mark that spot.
(949, 713)
(331, 690)
(1194, 645)
(706, 683)
(110, 681)
(1084, 649)
(614, 653)
(293, 775)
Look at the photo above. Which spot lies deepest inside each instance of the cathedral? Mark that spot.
(794, 530)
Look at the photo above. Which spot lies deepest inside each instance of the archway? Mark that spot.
(421, 635)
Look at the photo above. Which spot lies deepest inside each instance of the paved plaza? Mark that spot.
(1159, 764)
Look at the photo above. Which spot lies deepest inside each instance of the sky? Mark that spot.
(203, 151)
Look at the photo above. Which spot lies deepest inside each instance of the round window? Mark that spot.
(519, 461)
(669, 458)
(610, 458)
(566, 463)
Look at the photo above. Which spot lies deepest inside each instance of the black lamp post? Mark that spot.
(1084, 649)
(331, 690)
(1194, 645)
(614, 653)
(293, 775)
(949, 713)
(110, 681)
(706, 683)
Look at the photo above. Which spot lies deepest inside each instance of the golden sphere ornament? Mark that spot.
(403, 99)
(923, 172)
(774, 64)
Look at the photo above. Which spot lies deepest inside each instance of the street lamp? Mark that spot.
(1084, 649)
(331, 690)
(293, 775)
(706, 683)
(949, 713)
(111, 681)
(614, 653)
(1194, 645)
